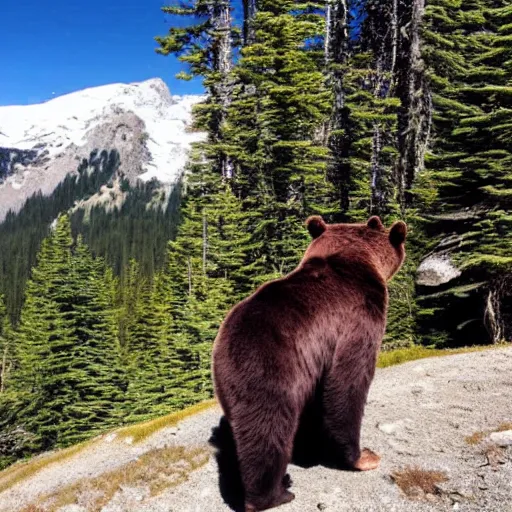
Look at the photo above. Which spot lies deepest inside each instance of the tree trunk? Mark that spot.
(328, 30)
(205, 243)
(249, 13)
(223, 63)
(394, 35)
(222, 25)
(3, 371)
(336, 55)
(379, 196)
(497, 308)
(415, 117)
(493, 319)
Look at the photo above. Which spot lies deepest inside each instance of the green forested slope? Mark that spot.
(138, 226)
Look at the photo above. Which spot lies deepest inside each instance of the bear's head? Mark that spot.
(371, 242)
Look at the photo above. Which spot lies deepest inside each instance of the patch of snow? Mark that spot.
(66, 120)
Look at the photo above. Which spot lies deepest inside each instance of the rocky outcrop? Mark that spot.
(436, 270)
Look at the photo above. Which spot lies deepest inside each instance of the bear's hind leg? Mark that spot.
(344, 399)
(264, 441)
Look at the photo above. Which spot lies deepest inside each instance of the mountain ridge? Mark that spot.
(41, 144)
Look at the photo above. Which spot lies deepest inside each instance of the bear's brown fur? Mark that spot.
(321, 325)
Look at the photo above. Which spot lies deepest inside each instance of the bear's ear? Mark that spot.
(316, 226)
(398, 233)
(375, 223)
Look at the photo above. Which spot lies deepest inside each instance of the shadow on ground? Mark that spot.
(312, 447)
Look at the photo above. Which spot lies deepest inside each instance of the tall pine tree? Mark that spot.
(67, 373)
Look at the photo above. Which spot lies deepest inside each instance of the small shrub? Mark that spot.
(475, 438)
(411, 479)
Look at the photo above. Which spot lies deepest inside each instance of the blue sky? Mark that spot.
(52, 47)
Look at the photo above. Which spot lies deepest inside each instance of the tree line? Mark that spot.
(346, 108)
(91, 352)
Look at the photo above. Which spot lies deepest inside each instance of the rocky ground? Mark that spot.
(443, 427)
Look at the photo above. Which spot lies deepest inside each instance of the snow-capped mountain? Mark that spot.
(40, 144)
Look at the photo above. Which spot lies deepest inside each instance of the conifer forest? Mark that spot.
(342, 108)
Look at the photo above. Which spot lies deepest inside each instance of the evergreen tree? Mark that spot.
(279, 106)
(21, 233)
(45, 376)
(206, 46)
(466, 218)
(208, 275)
(151, 386)
(96, 353)
(68, 373)
(128, 300)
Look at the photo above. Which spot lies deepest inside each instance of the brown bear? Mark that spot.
(321, 325)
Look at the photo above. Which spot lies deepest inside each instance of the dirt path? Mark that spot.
(436, 414)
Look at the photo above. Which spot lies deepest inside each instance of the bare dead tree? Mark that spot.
(220, 13)
(415, 117)
(499, 290)
(336, 50)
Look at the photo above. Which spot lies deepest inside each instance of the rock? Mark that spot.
(502, 439)
(321, 506)
(388, 428)
(436, 270)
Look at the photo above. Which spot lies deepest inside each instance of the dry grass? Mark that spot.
(22, 470)
(412, 479)
(494, 455)
(141, 431)
(403, 355)
(156, 470)
(475, 438)
(478, 437)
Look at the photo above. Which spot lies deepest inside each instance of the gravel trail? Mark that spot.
(419, 414)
